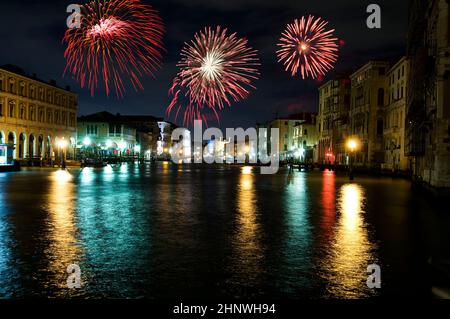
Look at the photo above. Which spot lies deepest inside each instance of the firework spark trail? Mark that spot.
(216, 69)
(118, 40)
(307, 47)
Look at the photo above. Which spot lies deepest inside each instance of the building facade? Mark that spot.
(333, 120)
(105, 134)
(367, 112)
(428, 100)
(35, 116)
(147, 132)
(394, 122)
(297, 136)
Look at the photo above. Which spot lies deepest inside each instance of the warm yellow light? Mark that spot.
(352, 145)
(62, 176)
(247, 170)
(62, 143)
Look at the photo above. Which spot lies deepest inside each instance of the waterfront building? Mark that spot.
(36, 117)
(367, 112)
(428, 99)
(394, 124)
(296, 132)
(106, 134)
(147, 132)
(164, 142)
(333, 120)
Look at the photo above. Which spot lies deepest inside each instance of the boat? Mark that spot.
(7, 163)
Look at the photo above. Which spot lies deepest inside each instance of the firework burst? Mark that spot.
(117, 40)
(307, 47)
(216, 69)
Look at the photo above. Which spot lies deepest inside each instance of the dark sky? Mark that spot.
(31, 33)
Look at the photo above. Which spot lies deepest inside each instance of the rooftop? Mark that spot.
(19, 71)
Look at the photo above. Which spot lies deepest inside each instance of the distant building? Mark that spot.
(164, 142)
(367, 112)
(297, 136)
(394, 122)
(428, 100)
(35, 115)
(107, 133)
(333, 120)
(147, 132)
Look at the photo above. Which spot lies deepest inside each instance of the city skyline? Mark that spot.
(276, 93)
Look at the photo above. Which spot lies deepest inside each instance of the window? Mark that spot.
(22, 89)
(382, 71)
(1, 84)
(306, 133)
(32, 92)
(11, 86)
(11, 110)
(1, 109)
(72, 120)
(22, 112)
(31, 113)
(381, 97)
(379, 127)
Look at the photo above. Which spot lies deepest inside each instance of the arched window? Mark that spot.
(11, 109)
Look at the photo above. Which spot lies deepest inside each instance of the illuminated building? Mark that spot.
(294, 131)
(106, 134)
(164, 142)
(367, 112)
(34, 115)
(394, 124)
(147, 132)
(333, 120)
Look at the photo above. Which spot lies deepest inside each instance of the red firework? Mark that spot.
(117, 40)
(216, 68)
(307, 46)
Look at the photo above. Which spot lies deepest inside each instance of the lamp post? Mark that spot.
(352, 144)
(62, 144)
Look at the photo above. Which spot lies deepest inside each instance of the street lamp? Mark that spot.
(87, 141)
(352, 145)
(62, 144)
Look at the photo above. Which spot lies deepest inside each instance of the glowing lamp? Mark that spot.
(87, 141)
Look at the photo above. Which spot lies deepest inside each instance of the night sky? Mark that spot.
(31, 34)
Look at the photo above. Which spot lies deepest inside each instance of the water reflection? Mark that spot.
(351, 250)
(111, 215)
(296, 249)
(5, 252)
(247, 253)
(328, 201)
(63, 249)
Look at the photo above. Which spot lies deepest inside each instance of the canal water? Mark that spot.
(168, 231)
